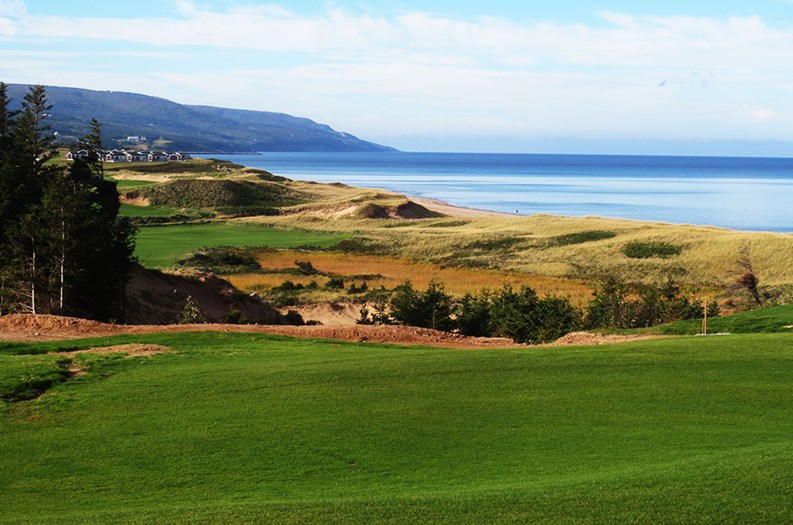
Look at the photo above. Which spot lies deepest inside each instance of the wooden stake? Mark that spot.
(705, 318)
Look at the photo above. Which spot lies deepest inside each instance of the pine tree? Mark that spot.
(64, 247)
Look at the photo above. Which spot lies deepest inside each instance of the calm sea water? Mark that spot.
(739, 193)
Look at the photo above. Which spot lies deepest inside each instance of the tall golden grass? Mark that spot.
(708, 256)
(394, 271)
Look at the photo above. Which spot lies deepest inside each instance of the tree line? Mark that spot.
(525, 317)
(63, 247)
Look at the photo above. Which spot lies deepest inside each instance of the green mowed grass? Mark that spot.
(244, 428)
(774, 319)
(162, 246)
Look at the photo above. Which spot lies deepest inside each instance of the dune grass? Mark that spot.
(162, 246)
(130, 210)
(531, 245)
(245, 428)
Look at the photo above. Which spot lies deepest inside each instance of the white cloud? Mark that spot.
(12, 8)
(420, 72)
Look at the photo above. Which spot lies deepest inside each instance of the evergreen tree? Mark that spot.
(94, 245)
(65, 249)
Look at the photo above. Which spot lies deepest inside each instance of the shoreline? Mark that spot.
(458, 211)
(461, 212)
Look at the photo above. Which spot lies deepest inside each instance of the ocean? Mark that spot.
(733, 192)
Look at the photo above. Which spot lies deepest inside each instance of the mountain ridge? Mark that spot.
(187, 127)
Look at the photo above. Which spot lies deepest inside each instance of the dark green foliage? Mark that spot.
(432, 308)
(306, 268)
(66, 250)
(335, 283)
(249, 211)
(582, 237)
(646, 250)
(197, 193)
(223, 260)
(525, 318)
(473, 315)
(498, 243)
(236, 317)
(446, 224)
(361, 246)
(618, 305)
(521, 316)
(356, 288)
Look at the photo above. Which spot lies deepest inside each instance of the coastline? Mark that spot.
(461, 212)
(660, 197)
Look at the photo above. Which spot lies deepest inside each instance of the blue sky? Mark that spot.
(704, 77)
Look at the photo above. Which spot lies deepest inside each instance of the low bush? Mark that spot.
(498, 243)
(361, 246)
(647, 250)
(432, 308)
(582, 237)
(618, 305)
(223, 260)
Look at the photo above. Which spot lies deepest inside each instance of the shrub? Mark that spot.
(525, 318)
(429, 309)
(498, 243)
(361, 246)
(223, 259)
(235, 317)
(582, 237)
(306, 268)
(646, 250)
(335, 283)
(473, 316)
(357, 288)
(192, 313)
(612, 307)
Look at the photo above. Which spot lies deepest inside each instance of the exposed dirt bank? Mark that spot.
(21, 327)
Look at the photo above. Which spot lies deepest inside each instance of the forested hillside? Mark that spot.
(189, 128)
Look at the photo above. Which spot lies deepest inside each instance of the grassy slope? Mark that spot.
(240, 428)
(530, 244)
(161, 246)
(129, 210)
(775, 319)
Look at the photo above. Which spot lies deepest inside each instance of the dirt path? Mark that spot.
(27, 328)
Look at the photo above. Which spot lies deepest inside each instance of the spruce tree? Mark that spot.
(64, 249)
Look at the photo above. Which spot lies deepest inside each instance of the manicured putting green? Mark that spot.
(162, 246)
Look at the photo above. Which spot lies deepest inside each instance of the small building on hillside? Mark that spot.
(139, 156)
(157, 156)
(80, 154)
(117, 155)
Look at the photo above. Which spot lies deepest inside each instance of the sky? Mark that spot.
(674, 77)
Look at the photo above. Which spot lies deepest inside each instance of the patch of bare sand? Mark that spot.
(328, 314)
(22, 327)
(25, 327)
(130, 350)
(458, 211)
(137, 200)
(587, 339)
